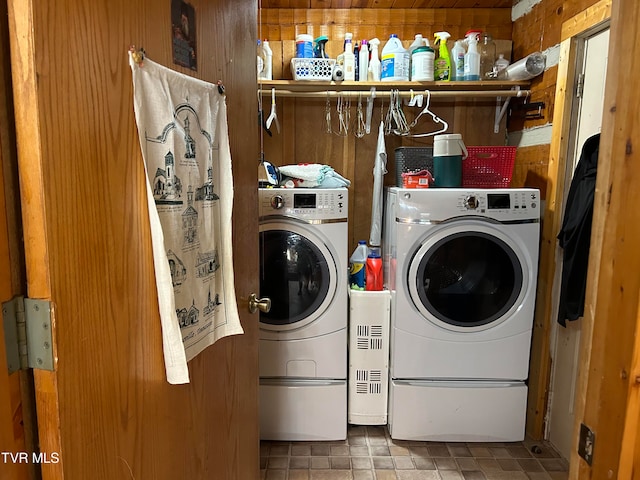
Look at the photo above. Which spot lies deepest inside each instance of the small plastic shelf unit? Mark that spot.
(369, 314)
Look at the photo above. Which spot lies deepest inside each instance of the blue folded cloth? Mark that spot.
(314, 175)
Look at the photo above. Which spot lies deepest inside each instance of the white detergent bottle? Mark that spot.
(418, 41)
(472, 57)
(340, 57)
(395, 61)
(374, 61)
(457, 59)
(349, 62)
(363, 61)
(267, 71)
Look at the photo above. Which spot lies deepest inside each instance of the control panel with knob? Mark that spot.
(471, 202)
(277, 202)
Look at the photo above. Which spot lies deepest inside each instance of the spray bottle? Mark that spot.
(442, 66)
(472, 57)
(320, 44)
(374, 62)
(340, 58)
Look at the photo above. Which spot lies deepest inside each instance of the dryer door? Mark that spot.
(467, 276)
(297, 271)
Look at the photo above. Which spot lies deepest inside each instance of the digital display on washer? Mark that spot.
(498, 200)
(304, 200)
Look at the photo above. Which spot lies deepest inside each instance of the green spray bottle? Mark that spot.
(442, 65)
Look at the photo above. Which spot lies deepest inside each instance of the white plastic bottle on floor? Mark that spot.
(395, 61)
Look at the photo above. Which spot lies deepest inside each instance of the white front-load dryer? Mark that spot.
(462, 268)
(303, 338)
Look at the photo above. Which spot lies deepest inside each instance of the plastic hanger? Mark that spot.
(273, 115)
(436, 119)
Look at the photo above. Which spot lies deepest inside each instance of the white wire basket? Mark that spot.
(312, 68)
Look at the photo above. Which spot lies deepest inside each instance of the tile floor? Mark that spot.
(370, 454)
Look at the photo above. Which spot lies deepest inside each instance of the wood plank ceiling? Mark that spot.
(386, 3)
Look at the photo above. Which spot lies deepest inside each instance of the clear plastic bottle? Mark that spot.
(487, 56)
(501, 64)
(457, 61)
(357, 263)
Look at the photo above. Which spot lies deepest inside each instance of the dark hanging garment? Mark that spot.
(575, 234)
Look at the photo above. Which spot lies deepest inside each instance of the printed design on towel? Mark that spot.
(182, 126)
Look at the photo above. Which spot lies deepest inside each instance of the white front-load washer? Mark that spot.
(303, 338)
(462, 266)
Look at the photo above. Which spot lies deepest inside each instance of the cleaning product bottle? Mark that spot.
(487, 56)
(349, 61)
(267, 71)
(500, 64)
(442, 66)
(320, 44)
(422, 62)
(374, 61)
(363, 62)
(373, 270)
(457, 60)
(472, 57)
(357, 263)
(418, 41)
(395, 61)
(340, 57)
(260, 60)
(356, 54)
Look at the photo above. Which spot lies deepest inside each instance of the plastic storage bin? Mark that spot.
(488, 167)
(312, 68)
(412, 159)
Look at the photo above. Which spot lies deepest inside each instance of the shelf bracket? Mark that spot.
(501, 109)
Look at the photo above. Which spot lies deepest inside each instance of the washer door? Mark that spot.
(467, 276)
(298, 273)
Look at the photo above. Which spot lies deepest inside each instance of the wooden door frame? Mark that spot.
(580, 26)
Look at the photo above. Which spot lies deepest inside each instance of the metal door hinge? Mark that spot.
(27, 334)
(580, 85)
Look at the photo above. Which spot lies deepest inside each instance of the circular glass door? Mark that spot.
(297, 273)
(466, 278)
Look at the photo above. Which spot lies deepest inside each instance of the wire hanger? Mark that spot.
(436, 119)
(273, 116)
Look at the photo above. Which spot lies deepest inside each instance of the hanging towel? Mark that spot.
(182, 126)
(575, 234)
(379, 169)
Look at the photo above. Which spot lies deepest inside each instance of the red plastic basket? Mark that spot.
(488, 167)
